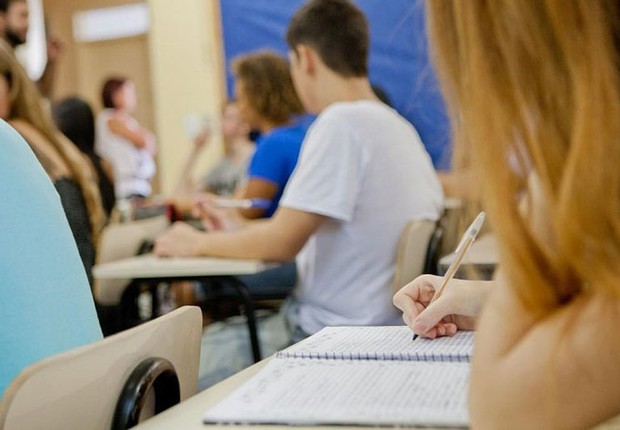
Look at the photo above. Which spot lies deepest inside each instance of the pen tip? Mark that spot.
(415, 336)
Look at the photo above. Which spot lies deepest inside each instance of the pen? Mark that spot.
(467, 240)
(243, 203)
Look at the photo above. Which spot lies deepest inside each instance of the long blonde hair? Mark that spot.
(26, 105)
(534, 91)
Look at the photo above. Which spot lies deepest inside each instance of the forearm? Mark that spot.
(143, 139)
(277, 239)
(46, 83)
(186, 185)
(255, 240)
(139, 137)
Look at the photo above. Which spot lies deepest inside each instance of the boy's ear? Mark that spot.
(306, 57)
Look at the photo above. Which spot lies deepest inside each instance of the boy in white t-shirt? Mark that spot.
(363, 173)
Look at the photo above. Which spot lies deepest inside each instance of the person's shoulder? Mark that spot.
(105, 114)
(354, 112)
(289, 134)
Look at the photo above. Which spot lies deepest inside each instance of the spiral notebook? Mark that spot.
(381, 343)
(371, 376)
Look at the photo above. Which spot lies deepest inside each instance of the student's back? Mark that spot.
(46, 304)
(363, 166)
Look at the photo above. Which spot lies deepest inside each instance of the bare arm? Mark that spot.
(258, 189)
(45, 84)
(140, 138)
(279, 238)
(559, 371)
(186, 185)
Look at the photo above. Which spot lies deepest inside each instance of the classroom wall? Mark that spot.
(177, 68)
(186, 59)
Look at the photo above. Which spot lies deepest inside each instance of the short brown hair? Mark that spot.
(268, 85)
(110, 87)
(337, 30)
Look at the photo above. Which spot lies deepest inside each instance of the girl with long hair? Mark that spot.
(533, 89)
(71, 173)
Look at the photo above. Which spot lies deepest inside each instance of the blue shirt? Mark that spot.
(276, 157)
(46, 306)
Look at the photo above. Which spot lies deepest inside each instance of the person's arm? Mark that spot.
(140, 137)
(257, 188)
(278, 238)
(457, 308)
(186, 185)
(550, 371)
(46, 82)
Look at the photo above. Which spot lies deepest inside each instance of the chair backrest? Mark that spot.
(122, 241)
(412, 252)
(431, 263)
(80, 389)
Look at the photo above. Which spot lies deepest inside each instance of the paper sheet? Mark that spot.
(307, 392)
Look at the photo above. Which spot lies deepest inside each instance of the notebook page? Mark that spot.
(310, 392)
(381, 343)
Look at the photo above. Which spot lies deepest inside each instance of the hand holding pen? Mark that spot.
(221, 213)
(460, 304)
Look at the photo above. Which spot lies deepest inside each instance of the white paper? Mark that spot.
(381, 343)
(315, 391)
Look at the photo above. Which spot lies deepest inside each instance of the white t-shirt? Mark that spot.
(133, 167)
(363, 166)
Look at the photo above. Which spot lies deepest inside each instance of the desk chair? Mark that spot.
(113, 296)
(435, 243)
(412, 257)
(109, 384)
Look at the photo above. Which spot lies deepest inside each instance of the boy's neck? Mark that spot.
(266, 126)
(335, 88)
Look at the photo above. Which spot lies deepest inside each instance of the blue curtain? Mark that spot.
(399, 61)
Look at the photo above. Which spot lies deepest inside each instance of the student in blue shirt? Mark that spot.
(275, 159)
(268, 102)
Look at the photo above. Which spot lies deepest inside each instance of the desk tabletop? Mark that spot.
(188, 414)
(149, 266)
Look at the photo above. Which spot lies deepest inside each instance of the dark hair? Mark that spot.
(4, 4)
(110, 87)
(75, 119)
(337, 30)
(268, 85)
